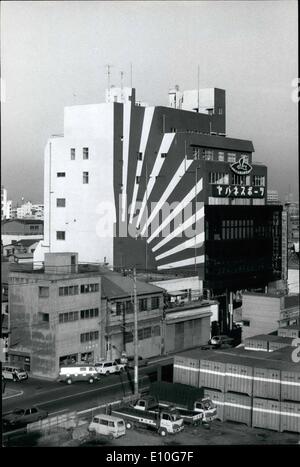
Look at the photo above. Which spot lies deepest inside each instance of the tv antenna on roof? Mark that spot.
(108, 67)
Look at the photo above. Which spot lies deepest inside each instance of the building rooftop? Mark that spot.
(271, 338)
(23, 221)
(115, 285)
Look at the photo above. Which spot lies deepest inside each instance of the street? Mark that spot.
(58, 397)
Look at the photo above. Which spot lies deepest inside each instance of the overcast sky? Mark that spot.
(54, 54)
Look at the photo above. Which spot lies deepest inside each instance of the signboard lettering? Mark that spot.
(238, 191)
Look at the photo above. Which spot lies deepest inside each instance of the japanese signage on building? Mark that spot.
(242, 167)
(238, 191)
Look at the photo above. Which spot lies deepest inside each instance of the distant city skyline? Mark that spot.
(54, 54)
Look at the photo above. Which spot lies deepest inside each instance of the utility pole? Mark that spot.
(136, 378)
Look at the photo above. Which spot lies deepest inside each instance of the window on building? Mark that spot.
(43, 317)
(246, 322)
(90, 313)
(137, 179)
(218, 178)
(140, 156)
(196, 153)
(85, 153)
(258, 180)
(60, 235)
(68, 290)
(221, 156)
(208, 154)
(240, 179)
(43, 292)
(128, 337)
(68, 317)
(231, 157)
(143, 304)
(119, 308)
(147, 333)
(163, 155)
(88, 288)
(89, 336)
(220, 111)
(85, 177)
(173, 129)
(72, 154)
(61, 174)
(61, 202)
(156, 331)
(154, 303)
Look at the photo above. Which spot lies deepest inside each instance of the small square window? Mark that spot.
(60, 202)
(85, 177)
(140, 156)
(60, 235)
(61, 174)
(138, 179)
(72, 154)
(85, 153)
(43, 292)
(163, 155)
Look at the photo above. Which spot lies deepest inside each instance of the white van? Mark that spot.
(107, 425)
(14, 373)
(70, 374)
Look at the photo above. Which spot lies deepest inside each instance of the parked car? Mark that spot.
(14, 373)
(107, 425)
(21, 417)
(141, 361)
(218, 341)
(108, 367)
(70, 374)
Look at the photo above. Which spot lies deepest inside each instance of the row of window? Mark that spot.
(211, 155)
(89, 336)
(221, 178)
(144, 333)
(85, 176)
(127, 307)
(74, 315)
(85, 153)
(69, 290)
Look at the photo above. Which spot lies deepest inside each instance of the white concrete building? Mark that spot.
(6, 205)
(272, 197)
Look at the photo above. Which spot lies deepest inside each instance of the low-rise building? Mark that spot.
(19, 229)
(118, 298)
(55, 314)
(263, 313)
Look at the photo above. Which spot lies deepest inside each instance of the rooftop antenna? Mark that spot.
(198, 86)
(108, 67)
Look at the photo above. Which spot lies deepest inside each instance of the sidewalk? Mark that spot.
(11, 393)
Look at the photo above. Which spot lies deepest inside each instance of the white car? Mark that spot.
(108, 367)
(70, 374)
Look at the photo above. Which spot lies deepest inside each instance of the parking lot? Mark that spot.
(220, 433)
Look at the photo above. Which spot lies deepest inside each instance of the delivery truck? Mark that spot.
(186, 399)
(163, 421)
(153, 405)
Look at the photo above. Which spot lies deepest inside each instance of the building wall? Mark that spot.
(46, 342)
(263, 313)
(186, 334)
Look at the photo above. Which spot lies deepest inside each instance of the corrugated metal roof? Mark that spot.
(268, 360)
(270, 338)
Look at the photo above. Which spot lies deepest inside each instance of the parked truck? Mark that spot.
(163, 421)
(187, 399)
(153, 405)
